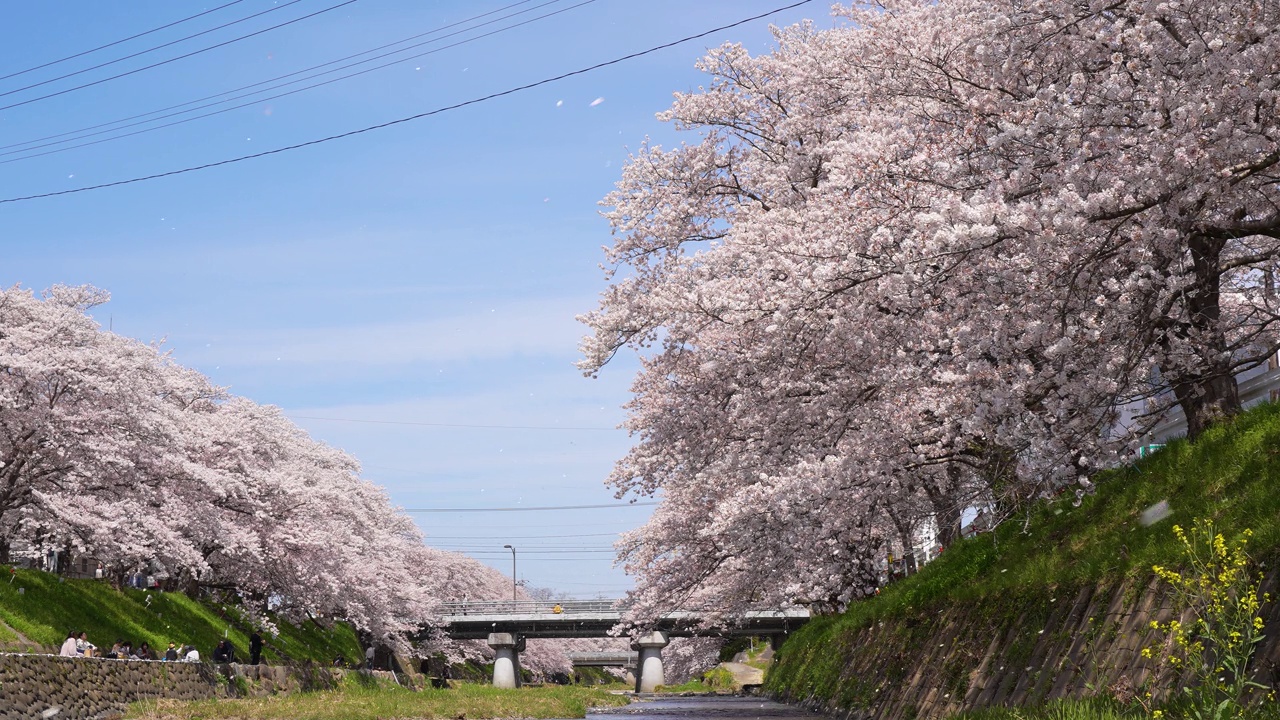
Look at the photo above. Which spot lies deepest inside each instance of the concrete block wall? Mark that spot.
(31, 685)
(1058, 645)
(96, 688)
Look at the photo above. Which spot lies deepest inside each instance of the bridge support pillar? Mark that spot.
(506, 661)
(649, 675)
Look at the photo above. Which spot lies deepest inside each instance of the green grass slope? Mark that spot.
(41, 608)
(1230, 475)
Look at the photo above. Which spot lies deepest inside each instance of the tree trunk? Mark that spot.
(946, 508)
(906, 537)
(1207, 399)
(1208, 392)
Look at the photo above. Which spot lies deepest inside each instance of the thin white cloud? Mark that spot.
(500, 330)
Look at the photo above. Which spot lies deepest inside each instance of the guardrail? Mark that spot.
(530, 607)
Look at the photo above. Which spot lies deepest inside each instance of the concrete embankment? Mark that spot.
(1017, 650)
(704, 708)
(48, 686)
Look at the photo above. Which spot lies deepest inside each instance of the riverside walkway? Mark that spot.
(505, 625)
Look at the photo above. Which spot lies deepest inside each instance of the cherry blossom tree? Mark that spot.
(110, 449)
(917, 262)
(78, 421)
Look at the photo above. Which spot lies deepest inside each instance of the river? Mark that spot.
(706, 707)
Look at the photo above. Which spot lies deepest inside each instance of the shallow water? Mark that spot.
(712, 708)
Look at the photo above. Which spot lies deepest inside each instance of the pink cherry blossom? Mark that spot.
(929, 260)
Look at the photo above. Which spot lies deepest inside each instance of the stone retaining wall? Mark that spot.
(93, 688)
(1011, 651)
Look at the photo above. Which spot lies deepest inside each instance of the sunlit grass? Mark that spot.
(44, 607)
(1050, 550)
(353, 702)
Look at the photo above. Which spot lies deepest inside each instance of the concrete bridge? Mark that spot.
(605, 659)
(628, 661)
(506, 625)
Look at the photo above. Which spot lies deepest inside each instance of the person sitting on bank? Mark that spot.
(117, 650)
(69, 646)
(224, 653)
(84, 647)
(144, 652)
(190, 654)
(171, 654)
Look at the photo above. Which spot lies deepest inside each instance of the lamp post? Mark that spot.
(513, 572)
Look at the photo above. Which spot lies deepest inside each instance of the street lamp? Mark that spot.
(513, 572)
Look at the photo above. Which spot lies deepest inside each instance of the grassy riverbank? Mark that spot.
(1014, 582)
(353, 702)
(37, 609)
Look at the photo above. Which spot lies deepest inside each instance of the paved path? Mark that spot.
(744, 674)
(706, 708)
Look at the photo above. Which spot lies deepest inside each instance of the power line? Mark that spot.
(429, 113)
(123, 123)
(524, 547)
(524, 552)
(503, 538)
(560, 559)
(526, 509)
(617, 521)
(594, 585)
(256, 101)
(449, 425)
(173, 59)
(118, 42)
(148, 50)
(595, 545)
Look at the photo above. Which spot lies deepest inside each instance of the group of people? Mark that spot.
(77, 645)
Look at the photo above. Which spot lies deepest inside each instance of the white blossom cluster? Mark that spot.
(110, 450)
(915, 263)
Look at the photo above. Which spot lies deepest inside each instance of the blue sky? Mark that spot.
(427, 273)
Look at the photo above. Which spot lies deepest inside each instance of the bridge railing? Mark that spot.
(529, 607)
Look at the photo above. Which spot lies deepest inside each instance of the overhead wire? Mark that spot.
(564, 559)
(527, 509)
(120, 41)
(176, 58)
(256, 101)
(516, 537)
(121, 59)
(524, 547)
(455, 425)
(616, 522)
(410, 118)
(524, 552)
(123, 123)
(269, 80)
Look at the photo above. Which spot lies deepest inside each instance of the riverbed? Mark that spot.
(702, 707)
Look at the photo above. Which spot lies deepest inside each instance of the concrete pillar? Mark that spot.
(506, 663)
(650, 664)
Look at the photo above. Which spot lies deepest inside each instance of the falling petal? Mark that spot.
(1155, 513)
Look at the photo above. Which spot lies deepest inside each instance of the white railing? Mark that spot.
(529, 607)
